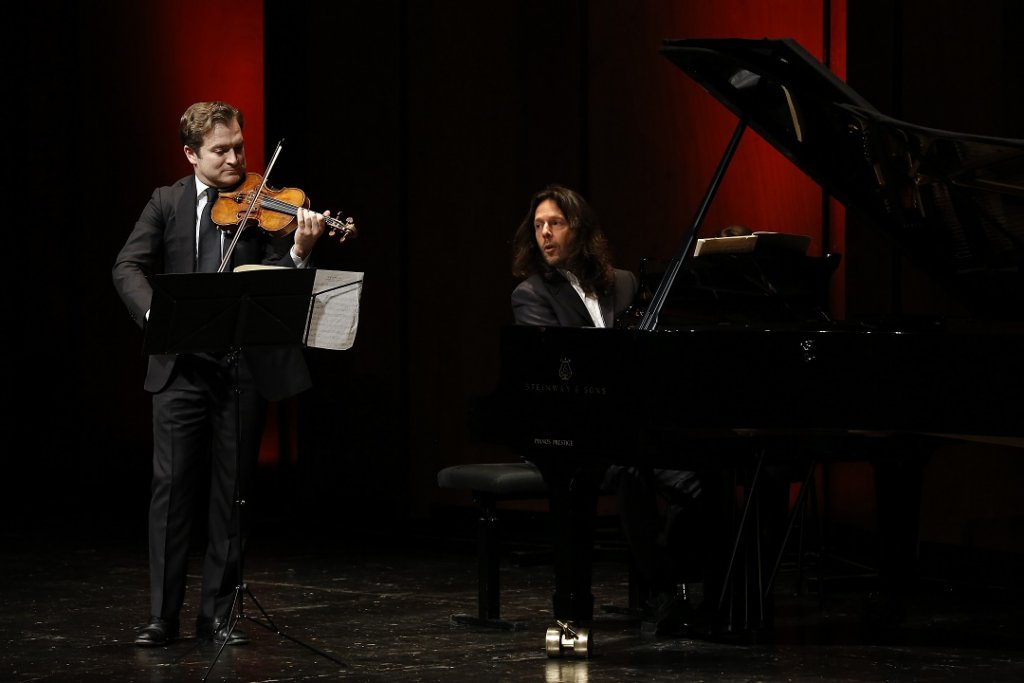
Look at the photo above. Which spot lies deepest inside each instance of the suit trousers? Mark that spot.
(207, 428)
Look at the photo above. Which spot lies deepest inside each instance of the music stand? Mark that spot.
(215, 312)
(195, 312)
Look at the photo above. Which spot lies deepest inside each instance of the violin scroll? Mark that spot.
(341, 229)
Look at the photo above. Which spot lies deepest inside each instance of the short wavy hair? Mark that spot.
(200, 118)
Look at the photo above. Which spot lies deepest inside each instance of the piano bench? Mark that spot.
(489, 484)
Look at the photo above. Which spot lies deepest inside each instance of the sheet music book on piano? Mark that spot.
(758, 240)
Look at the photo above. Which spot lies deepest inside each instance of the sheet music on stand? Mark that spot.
(253, 306)
(334, 307)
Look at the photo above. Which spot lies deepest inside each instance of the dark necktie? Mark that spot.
(209, 258)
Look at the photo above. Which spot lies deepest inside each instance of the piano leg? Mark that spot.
(573, 489)
(899, 479)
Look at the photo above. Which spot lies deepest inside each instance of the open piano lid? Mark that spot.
(952, 202)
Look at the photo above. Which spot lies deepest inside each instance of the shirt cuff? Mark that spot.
(299, 262)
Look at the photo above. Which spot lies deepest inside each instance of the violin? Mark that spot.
(275, 212)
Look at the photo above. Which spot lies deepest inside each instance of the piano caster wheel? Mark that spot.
(565, 638)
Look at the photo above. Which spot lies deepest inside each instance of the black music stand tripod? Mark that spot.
(228, 312)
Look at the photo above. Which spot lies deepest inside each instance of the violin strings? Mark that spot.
(285, 207)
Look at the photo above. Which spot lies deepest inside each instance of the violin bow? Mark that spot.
(248, 212)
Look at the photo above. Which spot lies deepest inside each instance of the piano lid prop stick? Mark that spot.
(650, 319)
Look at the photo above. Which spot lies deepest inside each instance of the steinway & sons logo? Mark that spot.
(565, 370)
(564, 386)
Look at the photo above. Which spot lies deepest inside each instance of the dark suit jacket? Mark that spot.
(536, 301)
(163, 241)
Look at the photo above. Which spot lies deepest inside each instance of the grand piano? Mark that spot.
(673, 389)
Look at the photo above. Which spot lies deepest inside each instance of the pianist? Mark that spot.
(562, 256)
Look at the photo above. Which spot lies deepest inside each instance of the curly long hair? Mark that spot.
(589, 257)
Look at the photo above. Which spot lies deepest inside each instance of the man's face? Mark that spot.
(554, 236)
(221, 160)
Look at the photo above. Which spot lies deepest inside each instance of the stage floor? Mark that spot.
(374, 608)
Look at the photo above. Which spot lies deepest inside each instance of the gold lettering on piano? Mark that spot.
(576, 389)
(561, 443)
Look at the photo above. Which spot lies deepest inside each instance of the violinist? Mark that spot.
(194, 404)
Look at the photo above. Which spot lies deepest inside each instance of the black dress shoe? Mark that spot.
(217, 631)
(666, 615)
(157, 632)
